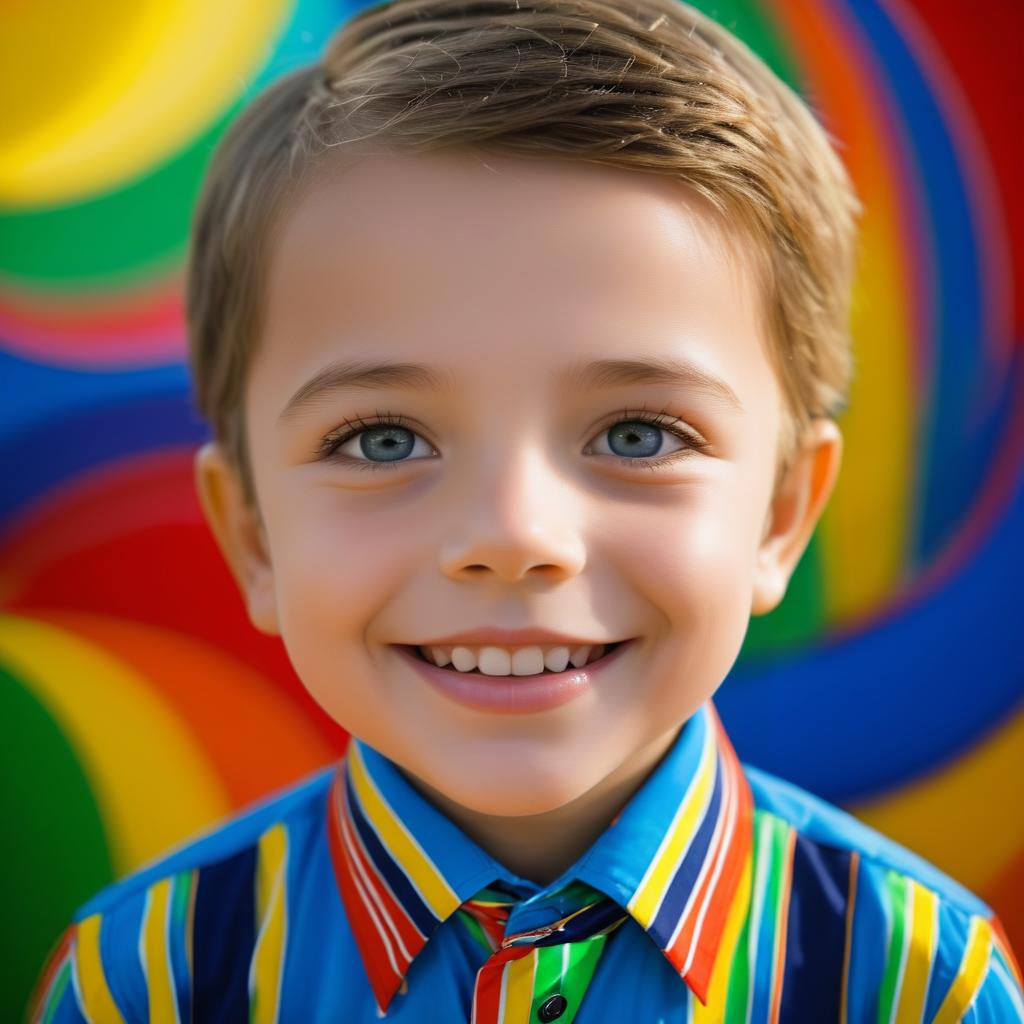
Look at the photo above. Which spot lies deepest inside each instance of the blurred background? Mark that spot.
(137, 703)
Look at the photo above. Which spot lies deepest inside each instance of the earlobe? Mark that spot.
(795, 512)
(239, 534)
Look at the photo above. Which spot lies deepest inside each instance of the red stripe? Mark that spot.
(737, 809)
(396, 912)
(740, 845)
(379, 971)
(487, 992)
(699, 971)
(53, 964)
(487, 995)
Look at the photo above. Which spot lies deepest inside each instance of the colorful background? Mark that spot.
(137, 703)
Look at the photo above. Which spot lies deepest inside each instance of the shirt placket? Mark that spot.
(541, 975)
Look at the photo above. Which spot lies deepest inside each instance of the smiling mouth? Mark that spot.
(417, 654)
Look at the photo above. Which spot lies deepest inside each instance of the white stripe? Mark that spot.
(354, 838)
(730, 815)
(707, 752)
(366, 900)
(708, 855)
(453, 895)
(504, 986)
(76, 982)
(1009, 984)
(712, 862)
(167, 946)
(760, 888)
(141, 944)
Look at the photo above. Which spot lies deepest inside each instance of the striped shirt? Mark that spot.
(342, 899)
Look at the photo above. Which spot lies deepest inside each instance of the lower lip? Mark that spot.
(514, 694)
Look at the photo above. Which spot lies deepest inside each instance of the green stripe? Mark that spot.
(179, 898)
(738, 995)
(47, 792)
(779, 833)
(474, 929)
(137, 231)
(896, 891)
(548, 978)
(57, 992)
(583, 958)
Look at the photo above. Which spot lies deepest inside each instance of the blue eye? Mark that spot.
(635, 440)
(386, 438)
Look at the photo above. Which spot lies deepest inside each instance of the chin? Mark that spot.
(511, 796)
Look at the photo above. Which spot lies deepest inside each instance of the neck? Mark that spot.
(540, 847)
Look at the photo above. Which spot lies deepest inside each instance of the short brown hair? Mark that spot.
(648, 85)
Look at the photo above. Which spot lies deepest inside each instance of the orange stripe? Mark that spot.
(698, 974)
(1003, 942)
(54, 962)
(850, 904)
(783, 927)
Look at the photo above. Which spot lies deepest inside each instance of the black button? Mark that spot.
(552, 1008)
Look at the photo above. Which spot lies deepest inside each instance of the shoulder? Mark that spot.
(919, 944)
(132, 941)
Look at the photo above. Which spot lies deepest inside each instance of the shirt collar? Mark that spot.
(672, 858)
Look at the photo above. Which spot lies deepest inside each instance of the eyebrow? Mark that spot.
(601, 374)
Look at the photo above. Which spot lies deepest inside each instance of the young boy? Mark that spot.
(522, 328)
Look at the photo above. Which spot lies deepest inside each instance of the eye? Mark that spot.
(636, 439)
(384, 443)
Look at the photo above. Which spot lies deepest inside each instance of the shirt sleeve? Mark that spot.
(73, 986)
(985, 983)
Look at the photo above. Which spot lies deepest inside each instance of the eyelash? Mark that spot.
(350, 428)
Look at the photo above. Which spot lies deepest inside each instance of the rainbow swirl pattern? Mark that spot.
(139, 705)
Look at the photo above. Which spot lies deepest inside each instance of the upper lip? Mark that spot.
(510, 638)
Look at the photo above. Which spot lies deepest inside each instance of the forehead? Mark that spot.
(483, 264)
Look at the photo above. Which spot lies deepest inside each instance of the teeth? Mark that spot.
(556, 659)
(523, 661)
(579, 656)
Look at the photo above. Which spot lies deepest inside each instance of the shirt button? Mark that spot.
(552, 1008)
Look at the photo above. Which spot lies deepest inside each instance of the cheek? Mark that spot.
(693, 563)
(335, 567)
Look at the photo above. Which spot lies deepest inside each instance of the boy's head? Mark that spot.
(510, 192)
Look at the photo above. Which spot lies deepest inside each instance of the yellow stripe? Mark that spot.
(718, 989)
(519, 976)
(113, 718)
(872, 497)
(102, 112)
(156, 963)
(430, 883)
(271, 913)
(923, 941)
(649, 893)
(97, 1001)
(971, 974)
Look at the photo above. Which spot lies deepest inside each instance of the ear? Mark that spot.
(239, 534)
(795, 511)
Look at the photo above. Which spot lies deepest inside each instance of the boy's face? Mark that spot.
(512, 503)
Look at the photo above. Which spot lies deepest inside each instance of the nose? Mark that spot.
(514, 518)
